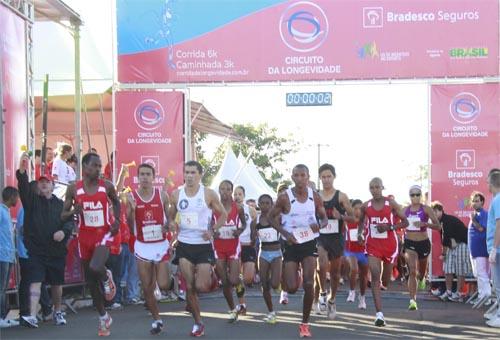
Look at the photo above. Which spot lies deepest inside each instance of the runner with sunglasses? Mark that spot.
(417, 245)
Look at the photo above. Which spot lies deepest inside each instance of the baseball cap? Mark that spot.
(46, 177)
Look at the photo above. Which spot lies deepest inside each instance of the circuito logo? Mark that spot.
(303, 26)
(465, 108)
(149, 114)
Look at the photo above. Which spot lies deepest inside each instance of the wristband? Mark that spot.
(392, 227)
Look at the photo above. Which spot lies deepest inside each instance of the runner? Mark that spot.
(147, 209)
(381, 240)
(248, 253)
(417, 245)
(294, 217)
(356, 256)
(282, 188)
(331, 238)
(270, 260)
(98, 222)
(227, 246)
(194, 252)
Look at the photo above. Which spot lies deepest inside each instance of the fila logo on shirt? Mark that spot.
(377, 219)
(92, 205)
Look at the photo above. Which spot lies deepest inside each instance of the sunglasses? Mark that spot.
(415, 195)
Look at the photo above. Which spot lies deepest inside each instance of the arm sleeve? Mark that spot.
(25, 189)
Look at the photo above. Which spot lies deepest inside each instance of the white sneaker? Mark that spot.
(362, 302)
(332, 310)
(6, 323)
(284, 298)
(494, 322)
(379, 319)
(352, 296)
(322, 303)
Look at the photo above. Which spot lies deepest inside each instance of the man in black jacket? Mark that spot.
(455, 252)
(45, 236)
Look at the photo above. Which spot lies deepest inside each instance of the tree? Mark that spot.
(266, 149)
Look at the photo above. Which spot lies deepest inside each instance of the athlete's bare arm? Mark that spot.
(214, 203)
(67, 212)
(172, 213)
(166, 202)
(282, 205)
(397, 209)
(131, 212)
(244, 223)
(432, 216)
(111, 192)
(346, 203)
(320, 212)
(361, 225)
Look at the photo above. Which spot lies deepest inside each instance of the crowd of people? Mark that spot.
(196, 240)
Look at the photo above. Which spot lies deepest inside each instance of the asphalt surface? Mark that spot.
(434, 319)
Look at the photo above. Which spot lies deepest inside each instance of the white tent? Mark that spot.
(242, 173)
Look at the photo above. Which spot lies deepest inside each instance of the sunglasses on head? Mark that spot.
(415, 195)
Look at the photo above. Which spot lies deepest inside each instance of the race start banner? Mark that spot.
(192, 41)
(149, 129)
(465, 145)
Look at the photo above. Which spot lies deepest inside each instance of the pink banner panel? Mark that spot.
(149, 129)
(465, 145)
(13, 64)
(277, 40)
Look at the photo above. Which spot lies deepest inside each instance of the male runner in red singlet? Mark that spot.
(97, 207)
(147, 209)
(227, 246)
(381, 240)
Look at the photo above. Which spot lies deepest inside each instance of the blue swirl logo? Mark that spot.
(149, 115)
(303, 26)
(465, 108)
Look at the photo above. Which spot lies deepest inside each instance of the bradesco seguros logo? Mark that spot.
(149, 114)
(465, 108)
(303, 26)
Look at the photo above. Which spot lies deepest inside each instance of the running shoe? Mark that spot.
(241, 309)
(233, 316)
(352, 296)
(457, 297)
(198, 330)
(362, 302)
(270, 318)
(105, 325)
(304, 331)
(30, 321)
(322, 305)
(332, 310)
(490, 315)
(109, 288)
(445, 296)
(421, 284)
(494, 322)
(58, 318)
(413, 305)
(379, 319)
(284, 298)
(156, 327)
(6, 323)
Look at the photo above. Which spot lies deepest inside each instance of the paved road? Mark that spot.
(434, 319)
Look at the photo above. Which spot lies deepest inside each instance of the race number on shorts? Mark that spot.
(93, 218)
(152, 233)
(227, 232)
(304, 234)
(331, 228)
(375, 234)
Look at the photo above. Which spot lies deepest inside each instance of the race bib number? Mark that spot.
(375, 234)
(227, 232)
(152, 233)
(268, 235)
(411, 223)
(353, 234)
(93, 218)
(304, 234)
(190, 220)
(331, 228)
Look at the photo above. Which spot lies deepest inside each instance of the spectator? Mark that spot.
(62, 173)
(49, 160)
(38, 164)
(10, 195)
(493, 241)
(455, 252)
(45, 236)
(477, 246)
(24, 284)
